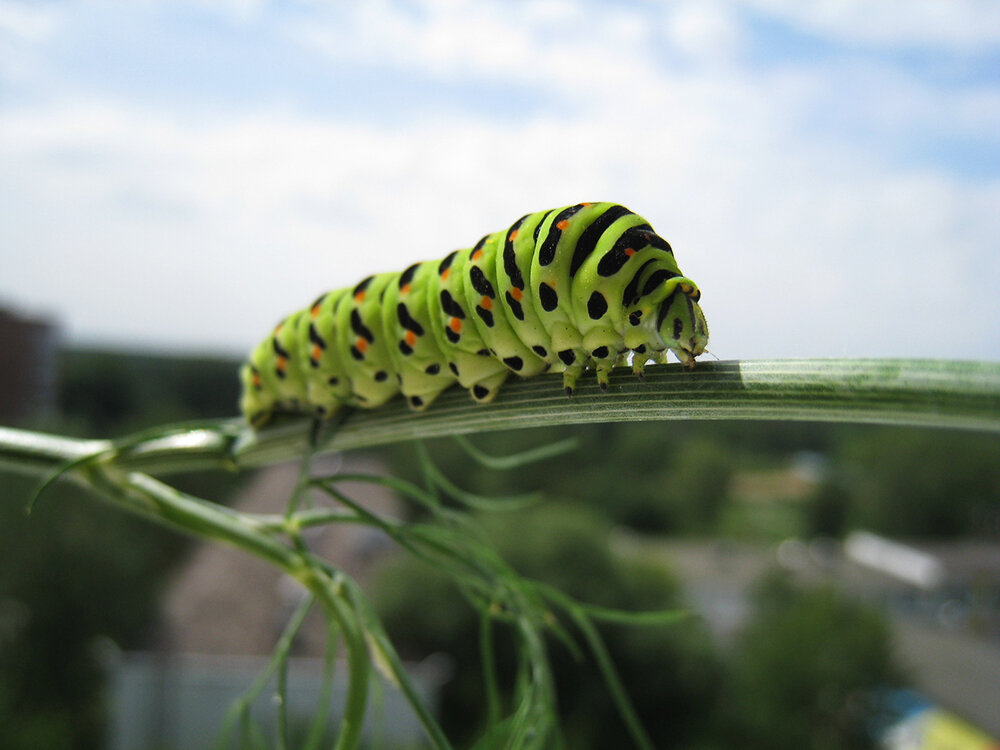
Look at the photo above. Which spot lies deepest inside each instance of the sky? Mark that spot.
(178, 175)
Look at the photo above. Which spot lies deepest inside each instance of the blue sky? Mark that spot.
(181, 174)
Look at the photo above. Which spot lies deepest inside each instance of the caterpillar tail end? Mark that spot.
(254, 406)
(259, 419)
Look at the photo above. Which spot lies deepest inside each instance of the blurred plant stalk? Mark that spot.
(922, 393)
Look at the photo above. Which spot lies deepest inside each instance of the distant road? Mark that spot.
(958, 672)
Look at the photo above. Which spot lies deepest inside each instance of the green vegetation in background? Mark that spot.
(79, 569)
(646, 476)
(670, 672)
(913, 483)
(677, 478)
(800, 676)
(807, 670)
(763, 521)
(109, 393)
(76, 572)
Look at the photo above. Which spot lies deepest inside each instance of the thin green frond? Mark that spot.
(516, 460)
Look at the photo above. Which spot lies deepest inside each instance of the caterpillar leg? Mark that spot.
(574, 360)
(486, 389)
(420, 401)
(639, 358)
(604, 373)
(570, 375)
(603, 344)
(321, 411)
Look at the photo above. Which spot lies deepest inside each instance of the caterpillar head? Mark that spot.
(681, 323)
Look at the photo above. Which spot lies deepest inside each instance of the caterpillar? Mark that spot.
(567, 289)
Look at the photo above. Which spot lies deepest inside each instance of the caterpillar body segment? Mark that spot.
(414, 351)
(492, 316)
(565, 290)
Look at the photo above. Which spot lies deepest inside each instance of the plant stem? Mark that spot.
(154, 500)
(926, 393)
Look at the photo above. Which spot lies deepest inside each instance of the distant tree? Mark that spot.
(74, 572)
(672, 673)
(694, 489)
(96, 390)
(805, 671)
(828, 509)
(921, 482)
(111, 392)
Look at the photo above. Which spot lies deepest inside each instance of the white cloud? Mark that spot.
(705, 31)
(556, 46)
(240, 10)
(29, 22)
(962, 25)
(24, 27)
(167, 228)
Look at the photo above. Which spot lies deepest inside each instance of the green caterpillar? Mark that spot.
(564, 290)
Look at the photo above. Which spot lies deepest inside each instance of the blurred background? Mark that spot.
(175, 177)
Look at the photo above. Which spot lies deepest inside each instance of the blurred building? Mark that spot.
(27, 367)
(223, 614)
(796, 482)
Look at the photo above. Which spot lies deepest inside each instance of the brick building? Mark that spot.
(28, 349)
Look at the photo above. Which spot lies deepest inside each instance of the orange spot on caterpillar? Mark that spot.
(315, 311)
(587, 204)
(630, 251)
(477, 255)
(562, 224)
(405, 289)
(410, 337)
(277, 328)
(512, 236)
(255, 379)
(516, 293)
(455, 324)
(282, 363)
(445, 273)
(486, 303)
(361, 344)
(317, 353)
